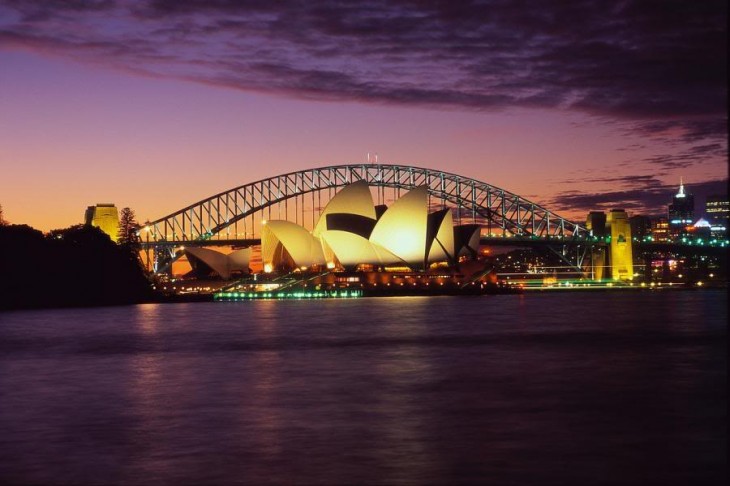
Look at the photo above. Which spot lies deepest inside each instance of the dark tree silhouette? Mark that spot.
(2, 217)
(128, 228)
(77, 266)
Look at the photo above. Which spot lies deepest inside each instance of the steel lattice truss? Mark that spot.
(496, 208)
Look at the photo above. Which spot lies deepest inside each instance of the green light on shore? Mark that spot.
(298, 295)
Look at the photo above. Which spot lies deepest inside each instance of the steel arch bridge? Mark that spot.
(499, 211)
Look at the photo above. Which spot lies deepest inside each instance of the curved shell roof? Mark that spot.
(354, 198)
(402, 229)
(442, 241)
(304, 249)
(221, 263)
(349, 248)
(466, 240)
(404, 234)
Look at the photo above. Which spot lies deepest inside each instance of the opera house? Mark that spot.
(354, 234)
(225, 265)
(401, 249)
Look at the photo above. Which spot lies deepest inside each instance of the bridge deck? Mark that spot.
(534, 242)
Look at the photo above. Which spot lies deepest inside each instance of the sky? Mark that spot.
(153, 105)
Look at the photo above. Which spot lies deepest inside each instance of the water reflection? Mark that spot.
(626, 388)
(260, 413)
(404, 422)
(148, 317)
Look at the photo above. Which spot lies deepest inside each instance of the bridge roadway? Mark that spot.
(514, 241)
(495, 241)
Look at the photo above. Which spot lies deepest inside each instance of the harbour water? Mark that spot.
(560, 388)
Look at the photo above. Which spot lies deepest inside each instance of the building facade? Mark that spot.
(717, 209)
(105, 217)
(660, 230)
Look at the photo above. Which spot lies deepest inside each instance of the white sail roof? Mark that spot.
(402, 228)
(351, 249)
(354, 198)
(442, 246)
(240, 259)
(221, 263)
(303, 248)
(466, 240)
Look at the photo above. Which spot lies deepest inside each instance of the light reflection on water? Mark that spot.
(577, 388)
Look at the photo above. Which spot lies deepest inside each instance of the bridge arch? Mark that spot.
(495, 208)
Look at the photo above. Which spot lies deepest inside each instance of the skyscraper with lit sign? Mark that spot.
(681, 211)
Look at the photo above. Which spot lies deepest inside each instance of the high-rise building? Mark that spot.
(681, 211)
(717, 209)
(105, 217)
(660, 229)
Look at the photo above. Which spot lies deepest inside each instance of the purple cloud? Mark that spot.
(632, 60)
(656, 67)
(637, 194)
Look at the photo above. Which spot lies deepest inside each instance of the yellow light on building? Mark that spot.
(105, 217)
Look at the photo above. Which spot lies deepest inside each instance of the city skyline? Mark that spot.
(159, 105)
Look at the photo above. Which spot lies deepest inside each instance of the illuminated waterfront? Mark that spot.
(537, 197)
(573, 388)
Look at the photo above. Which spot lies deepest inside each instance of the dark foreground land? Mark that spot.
(81, 267)
(74, 267)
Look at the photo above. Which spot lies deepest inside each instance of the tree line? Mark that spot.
(75, 266)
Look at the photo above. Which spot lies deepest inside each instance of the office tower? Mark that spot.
(681, 212)
(105, 217)
(717, 209)
(660, 230)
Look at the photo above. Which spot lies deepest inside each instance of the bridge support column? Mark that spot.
(598, 263)
(622, 259)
